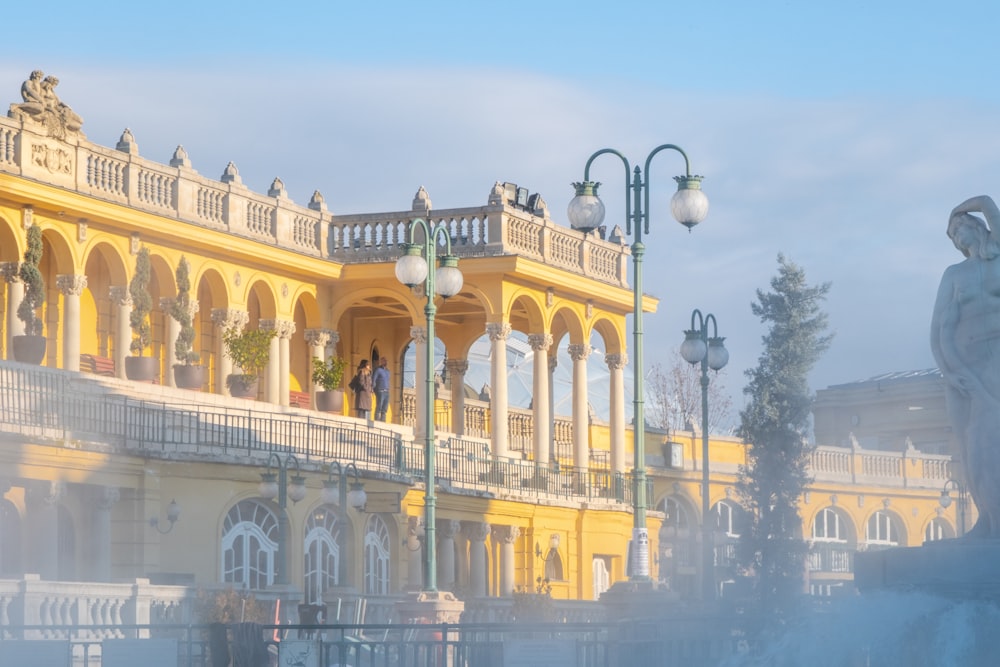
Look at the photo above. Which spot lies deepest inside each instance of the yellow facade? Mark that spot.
(560, 508)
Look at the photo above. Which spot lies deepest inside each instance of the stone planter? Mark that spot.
(28, 349)
(330, 401)
(239, 388)
(142, 369)
(189, 376)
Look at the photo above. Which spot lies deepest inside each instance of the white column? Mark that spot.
(446, 530)
(507, 536)
(581, 411)
(498, 332)
(173, 330)
(318, 340)
(42, 523)
(616, 390)
(15, 294)
(122, 301)
(414, 553)
(99, 539)
(419, 335)
(224, 320)
(456, 371)
(477, 533)
(72, 287)
(540, 344)
(285, 329)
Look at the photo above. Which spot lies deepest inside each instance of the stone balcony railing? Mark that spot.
(121, 176)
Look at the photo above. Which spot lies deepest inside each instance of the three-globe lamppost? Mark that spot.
(439, 275)
(710, 352)
(689, 206)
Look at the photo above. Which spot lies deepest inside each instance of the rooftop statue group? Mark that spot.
(42, 105)
(965, 340)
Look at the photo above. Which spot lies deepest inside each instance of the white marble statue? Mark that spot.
(965, 340)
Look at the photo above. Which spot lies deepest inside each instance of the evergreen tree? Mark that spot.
(142, 304)
(774, 425)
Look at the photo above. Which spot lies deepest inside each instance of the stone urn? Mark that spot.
(189, 376)
(330, 401)
(142, 369)
(28, 348)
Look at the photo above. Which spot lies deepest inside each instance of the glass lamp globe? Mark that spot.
(689, 204)
(945, 499)
(718, 355)
(357, 497)
(693, 348)
(585, 210)
(173, 511)
(330, 494)
(268, 487)
(297, 489)
(448, 280)
(411, 268)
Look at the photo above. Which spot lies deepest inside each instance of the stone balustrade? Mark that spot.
(179, 192)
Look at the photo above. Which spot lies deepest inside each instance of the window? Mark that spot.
(728, 518)
(826, 526)
(249, 545)
(602, 576)
(323, 554)
(377, 556)
(937, 529)
(880, 531)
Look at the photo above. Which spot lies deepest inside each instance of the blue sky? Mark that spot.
(840, 134)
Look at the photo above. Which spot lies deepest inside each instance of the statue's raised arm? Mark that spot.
(982, 204)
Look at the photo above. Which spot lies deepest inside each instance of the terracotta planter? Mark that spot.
(330, 401)
(238, 388)
(142, 369)
(28, 349)
(189, 376)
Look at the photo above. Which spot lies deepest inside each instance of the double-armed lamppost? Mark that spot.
(963, 501)
(275, 486)
(419, 264)
(709, 351)
(586, 212)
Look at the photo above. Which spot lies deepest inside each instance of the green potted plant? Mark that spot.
(138, 367)
(329, 374)
(29, 347)
(188, 373)
(250, 350)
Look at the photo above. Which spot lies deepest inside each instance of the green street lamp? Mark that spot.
(963, 501)
(709, 351)
(275, 486)
(419, 264)
(689, 206)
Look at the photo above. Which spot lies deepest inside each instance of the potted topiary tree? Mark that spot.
(329, 374)
(250, 350)
(29, 348)
(188, 373)
(138, 367)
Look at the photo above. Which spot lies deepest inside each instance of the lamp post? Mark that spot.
(275, 486)
(709, 351)
(173, 513)
(419, 264)
(586, 211)
(963, 501)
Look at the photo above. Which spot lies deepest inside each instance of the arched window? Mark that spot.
(602, 577)
(937, 529)
(728, 518)
(249, 545)
(377, 556)
(323, 555)
(880, 531)
(826, 527)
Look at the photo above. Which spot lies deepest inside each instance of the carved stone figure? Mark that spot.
(42, 105)
(965, 340)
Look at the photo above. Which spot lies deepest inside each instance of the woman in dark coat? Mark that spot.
(362, 386)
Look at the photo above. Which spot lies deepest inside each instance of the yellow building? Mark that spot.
(92, 460)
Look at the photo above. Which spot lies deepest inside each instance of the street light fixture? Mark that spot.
(335, 490)
(173, 513)
(709, 351)
(275, 486)
(689, 206)
(963, 501)
(419, 264)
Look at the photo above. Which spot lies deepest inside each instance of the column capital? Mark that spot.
(477, 531)
(105, 497)
(228, 318)
(506, 534)
(419, 335)
(321, 337)
(448, 527)
(456, 367)
(41, 491)
(540, 341)
(71, 284)
(120, 296)
(616, 362)
(282, 328)
(578, 352)
(11, 271)
(498, 331)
